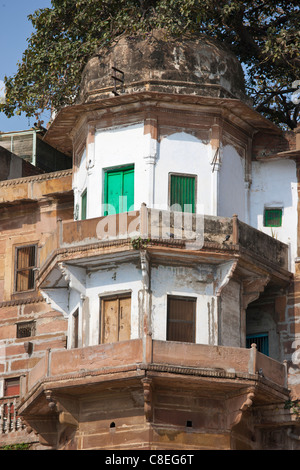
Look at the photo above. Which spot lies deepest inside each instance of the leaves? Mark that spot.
(264, 35)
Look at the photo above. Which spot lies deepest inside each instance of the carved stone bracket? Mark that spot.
(239, 405)
(148, 401)
(252, 288)
(51, 400)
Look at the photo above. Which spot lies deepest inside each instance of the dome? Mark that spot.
(161, 63)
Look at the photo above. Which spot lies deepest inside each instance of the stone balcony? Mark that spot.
(58, 389)
(72, 368)
(205, 237)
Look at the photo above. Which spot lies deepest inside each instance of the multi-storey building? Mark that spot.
(150, 300)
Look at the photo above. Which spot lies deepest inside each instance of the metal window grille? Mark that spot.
(25, 329)
(261, 340)
(273, 218)
(25, 264)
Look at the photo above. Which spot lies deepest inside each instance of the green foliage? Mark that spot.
(294, 406)
(139, 243)
(264, 35)
(22, 446)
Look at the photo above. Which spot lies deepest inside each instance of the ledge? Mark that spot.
(34, 188)
(71, 370)
(225, 237)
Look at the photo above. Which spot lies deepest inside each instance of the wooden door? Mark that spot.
(115, 319)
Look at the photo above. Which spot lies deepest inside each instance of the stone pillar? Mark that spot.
(216, 160)
(150, 155)
(90, 148)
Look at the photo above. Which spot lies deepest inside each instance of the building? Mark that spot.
(150, 298)
(30, 146)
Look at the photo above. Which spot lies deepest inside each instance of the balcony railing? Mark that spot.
(9, 420)
(193, 231)
(184, 358)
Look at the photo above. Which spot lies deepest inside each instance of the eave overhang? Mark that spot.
(59, 133)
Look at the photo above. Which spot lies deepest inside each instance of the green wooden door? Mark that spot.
(128, 190)
(182, 192)
(119, 191)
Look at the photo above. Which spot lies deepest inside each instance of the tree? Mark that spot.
(263, 34)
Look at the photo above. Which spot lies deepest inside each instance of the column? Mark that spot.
(150, 155)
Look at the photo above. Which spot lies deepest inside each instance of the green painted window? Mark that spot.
(182, 192)
(83, 205)
(273, 218)
(119, 190)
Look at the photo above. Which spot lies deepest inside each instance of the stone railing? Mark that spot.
(189, 358)
(9, 420)
(192, 231)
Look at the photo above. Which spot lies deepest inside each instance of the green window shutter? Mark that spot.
(182, 192)
(113, 192)
(128, 190)
(273, 218)
(83, 205)
(119, 191)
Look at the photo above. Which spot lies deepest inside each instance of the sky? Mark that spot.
(15, 29)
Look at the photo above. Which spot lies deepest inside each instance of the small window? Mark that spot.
(83, 205)
(181, 317)
(183, 192)
(26, 329)
(12, 387)
(25, 264)
(261, 340)
(273, 218)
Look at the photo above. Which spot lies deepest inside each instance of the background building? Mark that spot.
(149, 297)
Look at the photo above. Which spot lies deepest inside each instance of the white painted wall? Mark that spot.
(114, 279)
(180, 152)
(190, 282)
(232, 193)
(201, 282)
(80, 184)
(274, 184)
(113, 147)
(184, 153)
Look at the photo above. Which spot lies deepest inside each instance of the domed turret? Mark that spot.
(159, 62)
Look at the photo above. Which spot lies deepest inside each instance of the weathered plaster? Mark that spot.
(274, 184)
